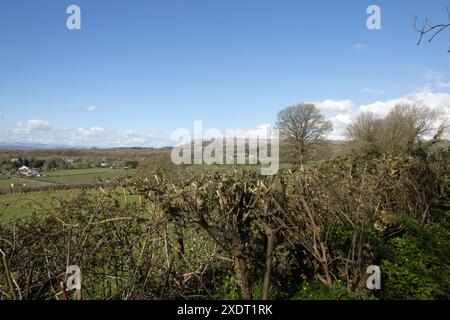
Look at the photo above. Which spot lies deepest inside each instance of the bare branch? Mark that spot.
(432, 30)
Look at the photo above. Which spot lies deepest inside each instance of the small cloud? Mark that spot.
(260, 131)
(131, 138)
(90, 133)
(340, 123)
(374, 92)
(91, 109)
(330, 105)
(32, 125)
(360, 46)
(437, 79)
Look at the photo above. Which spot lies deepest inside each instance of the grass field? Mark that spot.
(6, 183)
(71, 172)
(78, 176)
(81, 176)
(18, 205)
(22, 204)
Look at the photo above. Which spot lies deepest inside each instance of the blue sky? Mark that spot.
(137, 70)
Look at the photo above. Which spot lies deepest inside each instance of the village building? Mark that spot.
(27, 172)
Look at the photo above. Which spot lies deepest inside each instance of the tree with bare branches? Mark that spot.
(402, 130)
(302, 126)
(431, 29)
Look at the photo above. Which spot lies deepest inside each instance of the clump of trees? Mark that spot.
(403, 130)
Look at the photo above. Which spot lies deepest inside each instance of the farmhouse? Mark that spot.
(27, 172)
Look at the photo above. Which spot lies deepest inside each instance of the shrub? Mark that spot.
(415, 266)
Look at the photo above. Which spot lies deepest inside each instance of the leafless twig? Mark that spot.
(434, 30)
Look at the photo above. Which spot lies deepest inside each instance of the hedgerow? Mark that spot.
(295, 235)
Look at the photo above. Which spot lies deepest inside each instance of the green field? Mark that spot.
(18, 205)
(76, 177)
(6, 183)
(81, 176)
(22, 204)
(71, 172)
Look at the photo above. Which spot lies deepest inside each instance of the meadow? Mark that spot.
(81, 176)
(22, 203)
(66, 177)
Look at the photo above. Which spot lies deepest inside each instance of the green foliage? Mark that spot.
(133, 164)
(319, 291)
(157, 165)
(231, 290)
(416, 266)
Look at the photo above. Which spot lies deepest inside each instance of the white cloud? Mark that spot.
(2, 118)
(91, 109)
(439, 101)
(40, 131)
(340, 123)
(260, 131)
(372, 91)
(334, 105)
(30, 131)
(32, 125)
(131, 138)
(89, 134)
(344, 119)
(339, 113)
(437, 79)
(360, 46)
(100, 137)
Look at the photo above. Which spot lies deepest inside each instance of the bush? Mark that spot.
(415, 266)
(319, 291)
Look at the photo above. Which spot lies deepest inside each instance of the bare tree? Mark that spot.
(432, 30)
(364, 127)
(406, 125)
(403, 129)
(302, 126)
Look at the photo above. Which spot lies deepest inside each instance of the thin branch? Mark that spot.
(433, 30)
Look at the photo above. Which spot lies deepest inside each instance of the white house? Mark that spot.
(25, 171)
